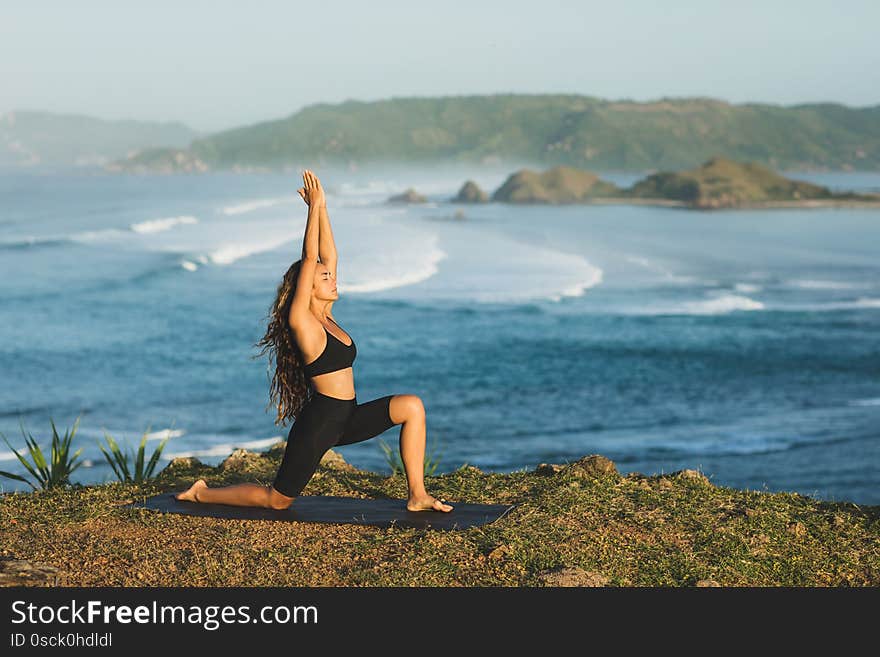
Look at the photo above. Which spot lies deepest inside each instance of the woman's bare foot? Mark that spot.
(191, 494)
(426, 503)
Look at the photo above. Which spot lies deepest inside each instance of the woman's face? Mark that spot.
(325, 283)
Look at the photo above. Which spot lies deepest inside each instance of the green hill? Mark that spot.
(548, 130)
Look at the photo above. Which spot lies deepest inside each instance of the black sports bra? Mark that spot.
(336, 356)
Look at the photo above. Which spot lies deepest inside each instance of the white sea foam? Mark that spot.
(256, 204)
(811, 284)
(161, 434)
(99, 235)
(422, 270)
(665, 272)
(103, 234)
(159, 225)
(229, 253)
(724, 303)
(580, 288)
(189, 266)
(747, 288)
(130, 436)
(728, 303)
(459, 261)
(224, 449)
(870, 401)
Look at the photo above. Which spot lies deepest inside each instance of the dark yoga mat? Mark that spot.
(348, 510)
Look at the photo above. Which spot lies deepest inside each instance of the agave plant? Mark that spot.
(54, 472)
(119, 459)
(392, 457)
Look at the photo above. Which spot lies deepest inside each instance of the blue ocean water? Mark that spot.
(740, 343)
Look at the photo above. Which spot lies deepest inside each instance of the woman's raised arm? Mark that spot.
(313, 194)
(327, 246)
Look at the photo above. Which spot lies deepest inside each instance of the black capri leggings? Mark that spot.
(326, 422)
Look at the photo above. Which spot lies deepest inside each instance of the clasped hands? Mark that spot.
(311, 191)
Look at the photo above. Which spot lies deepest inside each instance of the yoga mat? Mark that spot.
(332, 509)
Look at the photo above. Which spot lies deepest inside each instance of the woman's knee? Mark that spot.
(406, 407)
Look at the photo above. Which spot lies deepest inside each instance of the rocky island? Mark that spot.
(724, 183)
(717, 183)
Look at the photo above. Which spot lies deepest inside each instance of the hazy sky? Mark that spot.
(215, 65)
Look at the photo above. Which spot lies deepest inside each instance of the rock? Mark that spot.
(330, 459)
(276, 450)
(470, 469)
(548, 468)
(333, 459)
(796, 529)
(183, 463)
(571, 576)
(704, 583)
(470, 192)
(20, 572)
(240, 459)
(558, 185)
(692, 475)
(593, 466)
(499, 552)
(665, 483)
(409, 196)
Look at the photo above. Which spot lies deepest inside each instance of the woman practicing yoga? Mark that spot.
(306, 344)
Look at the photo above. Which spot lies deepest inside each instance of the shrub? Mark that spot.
(119, 459)
(54, 472)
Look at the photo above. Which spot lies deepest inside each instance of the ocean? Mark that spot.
(739, 343)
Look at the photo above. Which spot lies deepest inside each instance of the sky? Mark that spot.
(217, 65)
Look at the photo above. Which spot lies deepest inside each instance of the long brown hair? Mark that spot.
(289, 389)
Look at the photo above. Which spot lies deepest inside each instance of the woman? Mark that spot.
(309, 343)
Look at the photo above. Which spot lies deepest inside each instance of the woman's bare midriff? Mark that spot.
(339, 384)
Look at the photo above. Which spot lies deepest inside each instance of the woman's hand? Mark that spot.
(311, 192)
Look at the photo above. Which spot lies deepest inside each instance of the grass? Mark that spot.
(395, 462)
(633, 530)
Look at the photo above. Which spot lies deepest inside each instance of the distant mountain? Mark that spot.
(547, 130)
(43, 139)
